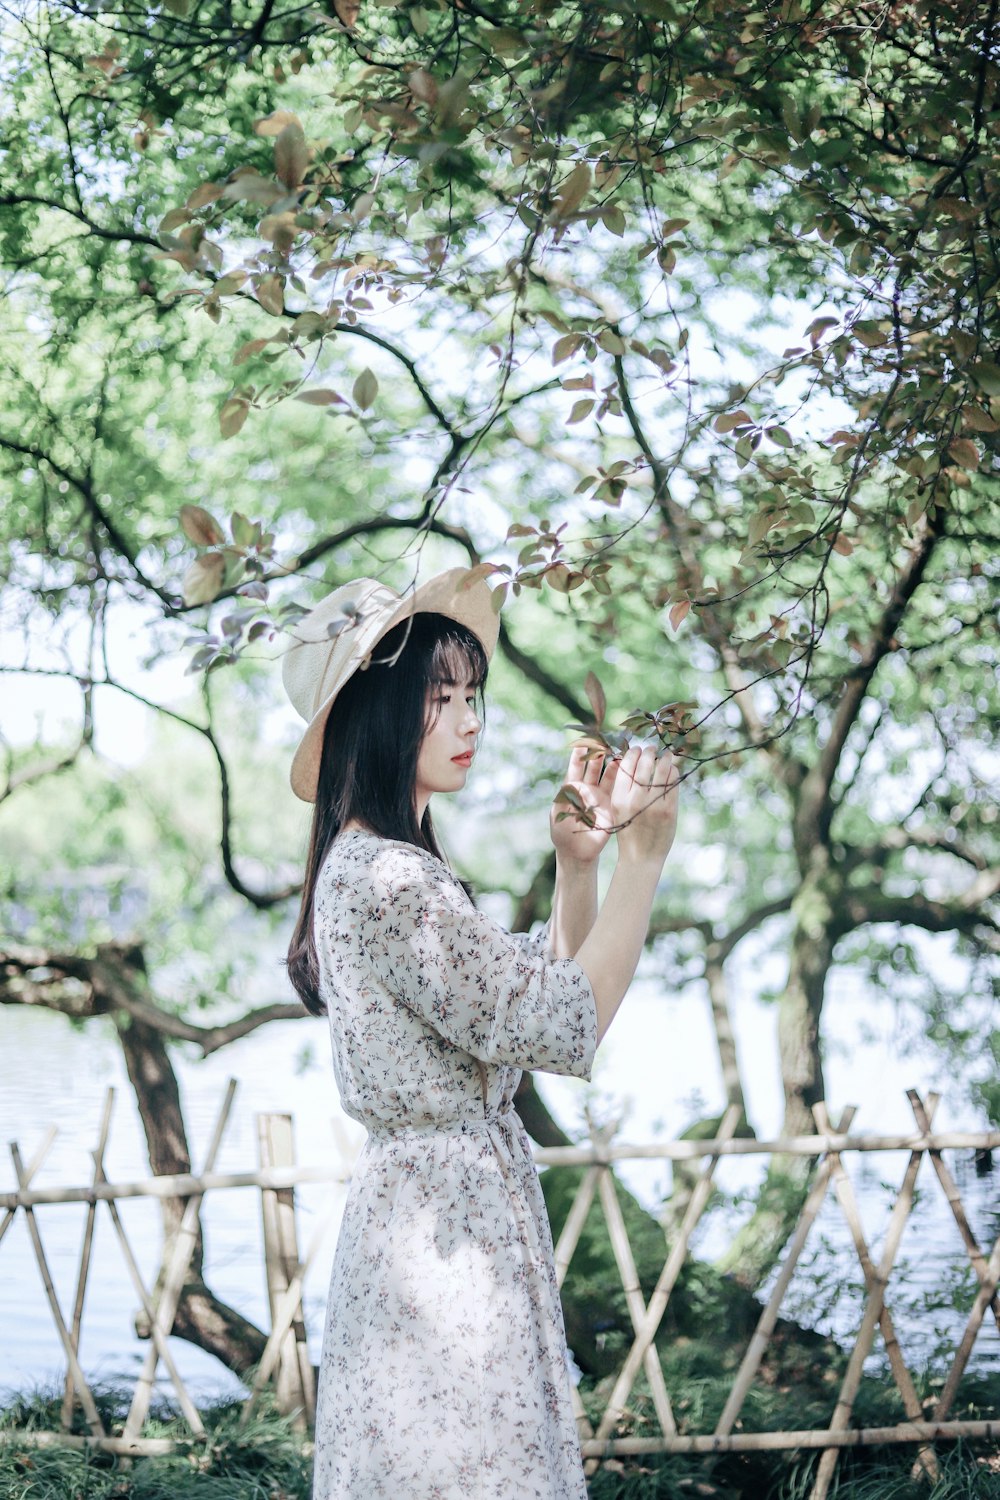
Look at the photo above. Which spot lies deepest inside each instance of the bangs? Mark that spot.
(457, 657)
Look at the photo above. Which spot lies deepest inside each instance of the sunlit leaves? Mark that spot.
(203, 579)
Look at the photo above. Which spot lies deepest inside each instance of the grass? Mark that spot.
(267, 1460)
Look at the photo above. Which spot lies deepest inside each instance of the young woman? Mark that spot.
(444, 1372)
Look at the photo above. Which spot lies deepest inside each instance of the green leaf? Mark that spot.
(245, 533)
(986, 374)
(581, 409)
(610, 341)
(564, 347)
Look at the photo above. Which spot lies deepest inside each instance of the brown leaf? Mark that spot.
(964, 452)
(678, 612)
(271, 294)
(251, 187)
(365, 390)
(347, 12)
(573, 191)
(319, 398)
(596, 698)
(732, 419)
(291, 155)
(173, 220)
(274, 124)
(233, 415)
(248, 350)
(204, 193)
(977, 420)
(423, 86)
(201, 526)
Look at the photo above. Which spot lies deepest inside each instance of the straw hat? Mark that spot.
(339, 635)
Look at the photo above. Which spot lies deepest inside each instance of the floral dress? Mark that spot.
(444, 1370)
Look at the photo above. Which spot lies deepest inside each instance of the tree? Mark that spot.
(672, 318)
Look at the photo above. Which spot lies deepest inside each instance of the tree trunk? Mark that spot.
(201, 1317)
(759, 1243)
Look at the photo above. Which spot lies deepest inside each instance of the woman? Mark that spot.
(444, 1372)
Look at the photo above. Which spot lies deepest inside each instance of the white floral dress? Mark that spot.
(444, 1371)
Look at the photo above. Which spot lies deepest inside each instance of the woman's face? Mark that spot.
(449, 740)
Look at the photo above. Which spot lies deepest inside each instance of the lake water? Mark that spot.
(657, 1071)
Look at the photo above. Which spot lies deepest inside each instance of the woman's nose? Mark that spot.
(473, 724)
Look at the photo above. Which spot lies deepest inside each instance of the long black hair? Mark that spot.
(368, 769)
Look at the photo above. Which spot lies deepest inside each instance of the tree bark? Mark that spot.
(757, 1246)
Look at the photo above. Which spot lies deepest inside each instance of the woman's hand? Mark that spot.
(593, 783)
(644, 805)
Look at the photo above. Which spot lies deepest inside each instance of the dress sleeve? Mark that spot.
(499, 998)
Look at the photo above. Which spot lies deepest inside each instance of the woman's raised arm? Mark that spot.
(644, 809)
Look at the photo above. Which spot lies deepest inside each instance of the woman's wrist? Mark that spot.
(571, 867)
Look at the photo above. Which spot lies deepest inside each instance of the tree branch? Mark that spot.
(135, 237)
(859, 908)
(815, 810)
(81, 987)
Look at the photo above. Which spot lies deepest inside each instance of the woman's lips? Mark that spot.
(463, 760)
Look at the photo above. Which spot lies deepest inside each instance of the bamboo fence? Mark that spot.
(286, 1363)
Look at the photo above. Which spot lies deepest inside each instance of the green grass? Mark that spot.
(267, 1460)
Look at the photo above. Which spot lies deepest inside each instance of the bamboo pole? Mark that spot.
(174, 1185)
(766, 1323)
(793, 1145)
(954, 1197)
(33, 1166)
(844, 1188)
(295, 1382)
(707, 1443)
(569, 1238)
(188, 1408)
(84, 1271)
(83, 1389)
(983, 1298)
(763, 1442)
(873, 1309)
(668, 1276)
(625, 1262)
(285, 1308)
(182, 1250)
(184, 1184)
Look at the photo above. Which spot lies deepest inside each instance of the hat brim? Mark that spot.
(450, 594)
